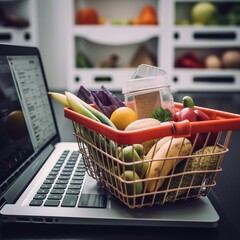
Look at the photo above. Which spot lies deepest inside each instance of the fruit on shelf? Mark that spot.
(147, 16)
(204, 12)
(231, 59)
(213, 61)
(87, 15)
(189, 60)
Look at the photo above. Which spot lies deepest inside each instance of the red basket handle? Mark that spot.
(181, 129)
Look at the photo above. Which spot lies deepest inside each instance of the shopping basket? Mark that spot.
(110, 157)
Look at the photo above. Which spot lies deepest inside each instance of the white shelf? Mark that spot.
(167, 41)
(206, 80)
(117, 35)
(15, 35)
(206, 36)
(93, 79)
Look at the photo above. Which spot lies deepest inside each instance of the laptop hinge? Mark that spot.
(22, 182)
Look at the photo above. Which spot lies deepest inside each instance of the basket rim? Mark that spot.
(220, 121)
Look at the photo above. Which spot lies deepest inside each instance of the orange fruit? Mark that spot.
(123, 116)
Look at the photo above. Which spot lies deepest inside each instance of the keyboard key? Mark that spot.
(76, 182)
(51, 177)
(69, 200)
(55, 196)
(77, 178)
(63, 177)
(64, 173)
(40, 196)
(51, 203)
(54, 173)
(36, 202)
(46, 186)
(42, 191)
(57, 191)
(74, 186)
(60, 186)
(73, 191)
(48, 181)
(60, 181)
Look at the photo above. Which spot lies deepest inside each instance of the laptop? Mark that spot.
(43, 180)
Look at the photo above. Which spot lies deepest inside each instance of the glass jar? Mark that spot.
(148, 90)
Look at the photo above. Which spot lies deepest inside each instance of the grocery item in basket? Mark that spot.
(59, 97)
(103, 99)
(161, 114)
(188, 112)
(131, 185)
(150, 154)
(161, 165)
(123, 116)
(148, 90)
(206, 159)
(76, 104)
(141, 124)
(134, 154)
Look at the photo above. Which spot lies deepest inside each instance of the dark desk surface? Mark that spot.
(225, 196)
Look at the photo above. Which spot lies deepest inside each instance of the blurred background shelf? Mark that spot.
(119, 41)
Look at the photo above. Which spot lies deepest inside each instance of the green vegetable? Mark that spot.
(76, 105)
(163, 115)
(188, 102)
(80, 106)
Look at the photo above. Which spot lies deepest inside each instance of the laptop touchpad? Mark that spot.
(93, 200)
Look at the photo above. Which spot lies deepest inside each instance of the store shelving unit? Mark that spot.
(13, 34)
(165, 41)
(202, 41)
(99, 42)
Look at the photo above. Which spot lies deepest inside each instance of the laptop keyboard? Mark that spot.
(63, 184)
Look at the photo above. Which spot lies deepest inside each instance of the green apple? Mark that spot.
(204, 12)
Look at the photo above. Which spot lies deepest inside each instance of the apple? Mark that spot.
(203, 12)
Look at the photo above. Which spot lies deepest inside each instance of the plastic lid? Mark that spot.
(140, 84)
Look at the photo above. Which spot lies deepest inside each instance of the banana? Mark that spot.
(177, 147)
(59, 97)
(156, 147)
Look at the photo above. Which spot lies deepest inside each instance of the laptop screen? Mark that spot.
(26, 120)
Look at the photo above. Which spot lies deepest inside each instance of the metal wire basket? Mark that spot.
(116, 159)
